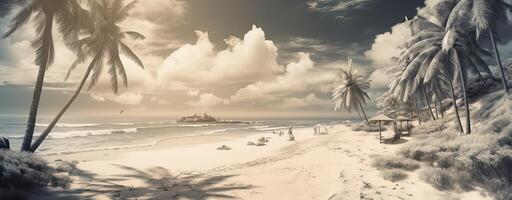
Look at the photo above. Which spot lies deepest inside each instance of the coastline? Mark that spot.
(334, 166)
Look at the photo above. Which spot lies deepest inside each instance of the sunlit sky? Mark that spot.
(231, 58)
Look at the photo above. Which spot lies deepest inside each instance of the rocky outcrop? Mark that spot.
(198, 118)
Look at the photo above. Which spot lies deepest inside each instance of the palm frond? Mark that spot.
(124, 12)
(97, 70)
(417, 48)
(43, 43)
(22, 17)
(134, 35)
(481, 15)
(456, 13)
(422, 36)
(125, 50)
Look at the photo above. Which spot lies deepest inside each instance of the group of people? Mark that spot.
(291, 137)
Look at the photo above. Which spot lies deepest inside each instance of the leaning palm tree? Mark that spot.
(486, 16)
(103, 43)
(70, 16)
(351, 94)
(435, 55)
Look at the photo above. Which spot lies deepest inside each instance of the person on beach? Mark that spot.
(290, 134)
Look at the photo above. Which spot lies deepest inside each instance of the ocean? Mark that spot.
(90, 134)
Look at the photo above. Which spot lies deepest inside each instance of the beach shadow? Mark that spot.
(159, 183)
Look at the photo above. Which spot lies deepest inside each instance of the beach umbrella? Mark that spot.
(380, 118)
(402, 119)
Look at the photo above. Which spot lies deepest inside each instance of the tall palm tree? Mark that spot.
(103, 43)
(486, 16)
(69, 15)
(351, 93)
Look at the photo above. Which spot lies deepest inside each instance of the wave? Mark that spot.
(81, 133)
(68, 125)
(78, 125)
(114, 147)
(272, 128)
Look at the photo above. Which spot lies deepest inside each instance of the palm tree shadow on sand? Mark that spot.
(159, 184)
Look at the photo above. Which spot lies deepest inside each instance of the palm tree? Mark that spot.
(434, 52)
(486, 16)
(351, 94)
(102, 43)
(70, 17)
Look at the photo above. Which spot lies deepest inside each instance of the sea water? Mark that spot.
(90, 134)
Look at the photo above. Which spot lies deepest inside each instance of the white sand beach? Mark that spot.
(334, 166)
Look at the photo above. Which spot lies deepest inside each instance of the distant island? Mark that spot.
(207, 119)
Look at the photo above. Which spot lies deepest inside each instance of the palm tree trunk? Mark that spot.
(359, 114)
(454, 99)
(29, 132)
(46, 132)
(36, 97)
(428, 102)
(417, 110)
(364, 114)
(465, 92)
(482, 80)
(498, 60)
(441, 109)
(435, 109)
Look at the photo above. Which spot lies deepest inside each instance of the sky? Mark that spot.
(229, 58)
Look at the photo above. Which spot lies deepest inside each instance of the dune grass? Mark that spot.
(482, 159)
(395, 162)
(393, 175)
(21, 172)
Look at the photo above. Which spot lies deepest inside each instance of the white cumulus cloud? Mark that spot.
(299, 77)
(249, 59)
(207, 100)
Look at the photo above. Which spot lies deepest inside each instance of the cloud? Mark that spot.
(387, 45)
(294, 102)
(158, 100)
(97, 97)
(322, 51)
(299, 77)
(207, 100)
(17, 56)
(340, 8)
(157, 20)
(250, 59)
(192, 93)
(129, 98)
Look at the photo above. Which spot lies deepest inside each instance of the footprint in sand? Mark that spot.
(341, 175)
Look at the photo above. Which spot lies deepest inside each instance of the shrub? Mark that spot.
(482, 159)
(393, 175)
(21, 171)
(67, 166)
(395, 162)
